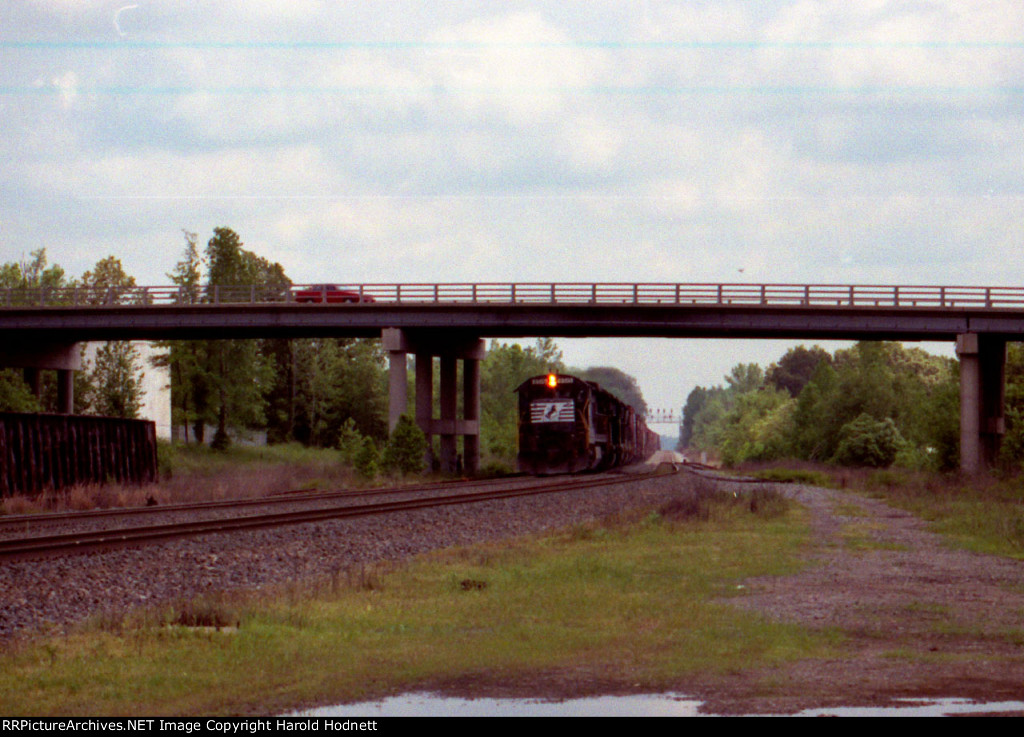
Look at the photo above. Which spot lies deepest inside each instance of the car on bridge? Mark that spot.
(330, 294)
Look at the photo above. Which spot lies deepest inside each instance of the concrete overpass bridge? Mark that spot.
(39, 327)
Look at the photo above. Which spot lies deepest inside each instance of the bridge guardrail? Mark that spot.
(534, 293)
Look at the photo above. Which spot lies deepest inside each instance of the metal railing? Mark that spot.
(531, 293)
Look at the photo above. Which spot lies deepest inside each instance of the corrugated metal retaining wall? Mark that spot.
(56, 451)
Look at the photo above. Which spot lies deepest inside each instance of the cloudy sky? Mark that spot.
(455, 140)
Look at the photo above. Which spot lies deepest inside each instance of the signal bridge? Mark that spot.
(662, 417)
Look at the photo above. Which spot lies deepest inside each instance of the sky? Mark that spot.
(867, 142)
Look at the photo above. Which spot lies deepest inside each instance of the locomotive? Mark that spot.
(568, 425)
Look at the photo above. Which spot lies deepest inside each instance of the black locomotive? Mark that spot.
(568, 424)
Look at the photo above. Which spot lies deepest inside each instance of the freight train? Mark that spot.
(569, 425)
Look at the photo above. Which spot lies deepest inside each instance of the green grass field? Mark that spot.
(635, 602)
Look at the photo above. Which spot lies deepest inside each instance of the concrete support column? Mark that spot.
(992, 360)
(471, 411)
(982, 391)
(398, 387)
(34, 379)
(450, 347)
(65, 358)
(65, 391)
(425, 401)
(449, 412)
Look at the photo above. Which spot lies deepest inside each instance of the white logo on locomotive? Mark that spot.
(551, 410)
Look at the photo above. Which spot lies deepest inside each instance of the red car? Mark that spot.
(330, 293)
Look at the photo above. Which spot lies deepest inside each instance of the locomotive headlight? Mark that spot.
(552, 381)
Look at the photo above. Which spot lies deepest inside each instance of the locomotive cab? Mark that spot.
(567, 424)
(556, 425)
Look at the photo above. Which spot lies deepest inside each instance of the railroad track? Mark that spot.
(47, 546)
(28, 521)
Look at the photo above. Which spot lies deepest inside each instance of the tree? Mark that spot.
(32, 274)
(618, 383)
(115, 382)
(406, 449)
(15, 395)
(755, 426)
(505, 367)
(186, 360)
(235, 374)
(106, 281)
(794, 370)
(695, 401)
(113, 385)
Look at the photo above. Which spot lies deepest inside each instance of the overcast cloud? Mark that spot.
(865, 142)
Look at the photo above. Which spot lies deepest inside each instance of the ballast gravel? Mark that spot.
(53, 594)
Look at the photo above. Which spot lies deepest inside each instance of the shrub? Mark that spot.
(406, 449)
(868, 442)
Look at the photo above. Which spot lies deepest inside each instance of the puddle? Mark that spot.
(427, 705)
(656, 705)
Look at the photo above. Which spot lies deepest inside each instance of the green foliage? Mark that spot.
(795, 369)
(15, 395)
(367, 458)
(695, 401)
(114, 387)
(407, 447)
(868, 442)
(1012, 451)
(618, 383)
(868, 405)
(33, 274)
(754, 427)
(505, 368)
(105, 282)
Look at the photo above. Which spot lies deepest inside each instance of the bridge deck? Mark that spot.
(517, 310)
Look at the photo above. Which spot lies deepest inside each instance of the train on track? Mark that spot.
(569, 425)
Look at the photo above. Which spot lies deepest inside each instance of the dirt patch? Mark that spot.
(920, 618)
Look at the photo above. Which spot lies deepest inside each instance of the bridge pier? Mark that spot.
(450, 348)
(64, 358)
(982, 395)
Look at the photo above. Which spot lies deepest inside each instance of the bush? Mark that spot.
(868, 442)
(407, 447)
(367, 459)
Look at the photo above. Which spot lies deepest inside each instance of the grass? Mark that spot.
(190, 473)
(984, 515)
(632, 600)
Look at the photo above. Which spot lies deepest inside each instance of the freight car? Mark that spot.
(568, 425)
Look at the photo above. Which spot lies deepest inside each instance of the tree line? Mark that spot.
(322, 392)
(874, 404)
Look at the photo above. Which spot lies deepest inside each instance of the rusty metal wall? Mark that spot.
(56, 451)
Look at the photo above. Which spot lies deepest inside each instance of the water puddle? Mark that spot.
(656, 705)
(428, 705)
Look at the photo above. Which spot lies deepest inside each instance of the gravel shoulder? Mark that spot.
(921, 619)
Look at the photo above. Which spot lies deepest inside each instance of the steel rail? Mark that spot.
(296, 496)
(76, 543)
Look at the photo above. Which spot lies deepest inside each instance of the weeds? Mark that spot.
(762, 501)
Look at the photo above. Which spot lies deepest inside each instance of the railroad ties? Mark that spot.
(40, 452)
